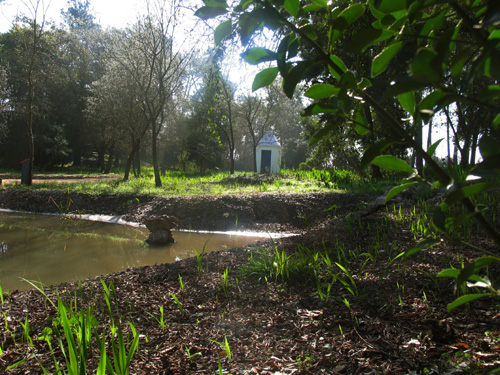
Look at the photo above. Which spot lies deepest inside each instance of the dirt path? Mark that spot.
(14, 179)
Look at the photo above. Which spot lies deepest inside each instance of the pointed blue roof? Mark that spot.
(269, 140)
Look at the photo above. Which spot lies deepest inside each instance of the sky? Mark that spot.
(109, 13)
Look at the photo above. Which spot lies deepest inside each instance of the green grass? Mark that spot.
(176, 183)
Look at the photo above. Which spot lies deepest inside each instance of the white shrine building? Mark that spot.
(268, 154)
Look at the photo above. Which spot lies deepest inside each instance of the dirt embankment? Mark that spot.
(274, 212)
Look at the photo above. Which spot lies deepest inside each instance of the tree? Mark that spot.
(79, 16)
(156, 64)
(208, 126)
(113, 111)
(85, 48)
(221, 115)
(255, 114)
(31, 47)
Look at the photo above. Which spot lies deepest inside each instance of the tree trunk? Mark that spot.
(465, 152)
(419, 162)
(376, 173)
(110, 159)
(231, 161)
(448, 141)
(137, 161)
(29, 179)
(117, 160)
(128, 164)
(472, 161)
(100, 157)
(429, 135)
(155, 158)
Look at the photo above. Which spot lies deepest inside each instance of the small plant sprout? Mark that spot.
(161, 319)
(26, 331)
(191, 355)
(199, 258)
(179, 304)
(225, 345)
(225, 281)
(181, 283)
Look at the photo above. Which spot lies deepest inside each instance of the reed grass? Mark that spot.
(79, 335)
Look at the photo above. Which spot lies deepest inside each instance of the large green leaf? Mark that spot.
(248, 23)
(432, 149)
(339, 68)
(323, 3)
(264, 78)
(363, 40)
(348, 16)
(294, 76)
(407, 101)
(490, 167)
(435, 101)
(465, 299)
(390, 6)
(399, 189)
(424, 244)
(321, 90)
(309, 8)
(222, 30)
(470, 270)
(489, 146)
(392, 163)
(458, 61)
(208, 12)
(292, 7)
(426, 67)
(215, 3)
(373, 151)
(382, 60)
(257, 55)
(344, 20)
(433, 23)
(309, 31)
(360, 124)
(496, 120)
(469, 191)
(402, 85)
(319, 108)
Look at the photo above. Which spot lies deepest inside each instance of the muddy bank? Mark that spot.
(274, 212)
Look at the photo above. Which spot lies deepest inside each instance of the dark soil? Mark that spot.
(395, 320)
(274, 212)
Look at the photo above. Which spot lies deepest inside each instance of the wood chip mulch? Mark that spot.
(397, 323)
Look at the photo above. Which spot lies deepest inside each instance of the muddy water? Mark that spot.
(53, 249)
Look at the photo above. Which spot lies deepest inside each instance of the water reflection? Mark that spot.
(53, 249)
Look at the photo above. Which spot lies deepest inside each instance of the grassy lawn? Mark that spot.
(176, 183)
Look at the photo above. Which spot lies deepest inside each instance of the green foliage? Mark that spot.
(456, 41)
(275, 264)
(77, 332)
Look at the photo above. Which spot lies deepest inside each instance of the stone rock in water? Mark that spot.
(160, 237)
(160, 228)
(156, 223)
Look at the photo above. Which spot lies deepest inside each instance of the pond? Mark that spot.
(55, 249)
